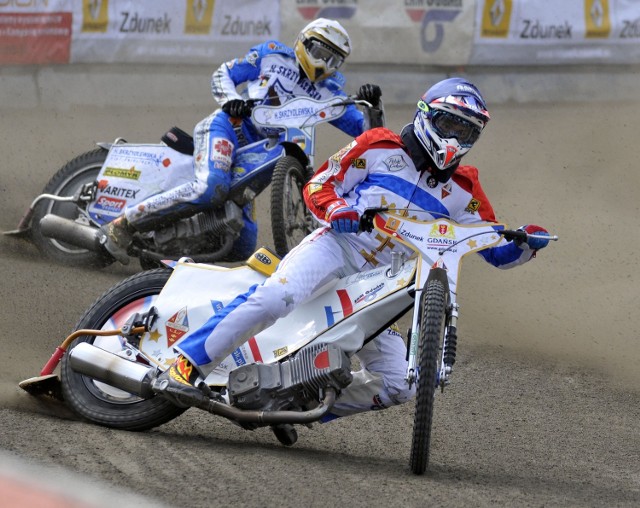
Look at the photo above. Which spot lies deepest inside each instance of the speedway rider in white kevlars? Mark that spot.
(271, 70)
(418, 170)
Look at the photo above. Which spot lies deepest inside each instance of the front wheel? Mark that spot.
(99, 402)
(433, 310)
(66, 182)
(291, 221)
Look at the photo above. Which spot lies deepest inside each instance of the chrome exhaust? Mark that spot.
(112, 369)
(141, 380)
(72, 232)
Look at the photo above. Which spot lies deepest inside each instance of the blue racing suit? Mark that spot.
(269, 70)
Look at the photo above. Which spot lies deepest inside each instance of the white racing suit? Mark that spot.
(375, 170)
(268, 70)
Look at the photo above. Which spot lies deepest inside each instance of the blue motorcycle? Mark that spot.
(95, 187)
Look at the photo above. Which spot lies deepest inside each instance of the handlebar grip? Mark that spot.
(511, 234)
(366, 220)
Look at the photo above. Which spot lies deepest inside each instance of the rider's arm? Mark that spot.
(344, 171)
(229, 75)
(352, 122)
(504, 255)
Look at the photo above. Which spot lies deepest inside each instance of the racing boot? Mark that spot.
(117, 237)
(177, 384)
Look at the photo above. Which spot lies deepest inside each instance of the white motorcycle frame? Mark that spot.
(349, 310)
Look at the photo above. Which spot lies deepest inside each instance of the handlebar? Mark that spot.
(366, 220)
(366, 224)
(523, 236)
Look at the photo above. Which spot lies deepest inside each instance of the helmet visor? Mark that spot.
(321, 51)
(448, 125)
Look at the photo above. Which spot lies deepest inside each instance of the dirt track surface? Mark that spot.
(544, 405)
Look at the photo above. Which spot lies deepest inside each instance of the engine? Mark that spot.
(293, 383)
(202, 230)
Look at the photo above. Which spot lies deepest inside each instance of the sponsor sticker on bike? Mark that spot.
(110, 205)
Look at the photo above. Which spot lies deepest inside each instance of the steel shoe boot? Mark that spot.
(285, 433)
(177, 384)
(117, 236)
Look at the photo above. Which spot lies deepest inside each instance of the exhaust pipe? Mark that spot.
(112, 369)
(72, 232)
(141, 380)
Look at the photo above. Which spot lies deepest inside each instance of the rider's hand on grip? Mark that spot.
(236, 108)
(345, 220)
(536, 243)
(370, 93)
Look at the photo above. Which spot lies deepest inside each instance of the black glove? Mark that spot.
(237, 108)
(370, 93)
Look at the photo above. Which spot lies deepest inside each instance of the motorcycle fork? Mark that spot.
(448, 350)
(449, 344)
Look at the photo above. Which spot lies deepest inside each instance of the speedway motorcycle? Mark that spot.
(290, 373)
(95, 187)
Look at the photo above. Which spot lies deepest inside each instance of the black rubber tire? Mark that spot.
(432, 322)
(78, 171)
(291, 221)
(81, 392)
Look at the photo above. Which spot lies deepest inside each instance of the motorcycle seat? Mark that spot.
(179, 140)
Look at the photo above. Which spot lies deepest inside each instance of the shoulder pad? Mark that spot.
(468, 174)
(275, 47)
(381, 135)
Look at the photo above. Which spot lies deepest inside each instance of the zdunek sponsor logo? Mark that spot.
(409, 234)
(630, 29)
(533, 29)
(132, 22)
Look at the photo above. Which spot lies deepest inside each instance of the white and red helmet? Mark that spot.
(321, 48)
(449, 120)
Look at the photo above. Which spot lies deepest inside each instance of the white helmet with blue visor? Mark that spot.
(449, 119)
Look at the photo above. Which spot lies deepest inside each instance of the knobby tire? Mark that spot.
(65, 182)
(432, 321)
(84, 396)
(290, 219)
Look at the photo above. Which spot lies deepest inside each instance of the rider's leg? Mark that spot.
(307, 268)
(381, 381)
(245, 245)
(215, 141)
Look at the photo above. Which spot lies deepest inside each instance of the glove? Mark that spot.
(345, 220)
(237, 108)
(371, 94)
(536, 243)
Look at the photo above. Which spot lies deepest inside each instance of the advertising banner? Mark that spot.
(448, 33)
(170, 31)
(423, 32)
(35, 31)
(525, 32)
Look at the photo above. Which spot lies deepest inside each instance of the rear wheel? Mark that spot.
(291, 221)
(432, 323)
(97, 401)
(66, 182)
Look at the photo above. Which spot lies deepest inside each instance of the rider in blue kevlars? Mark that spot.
(270, 70)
